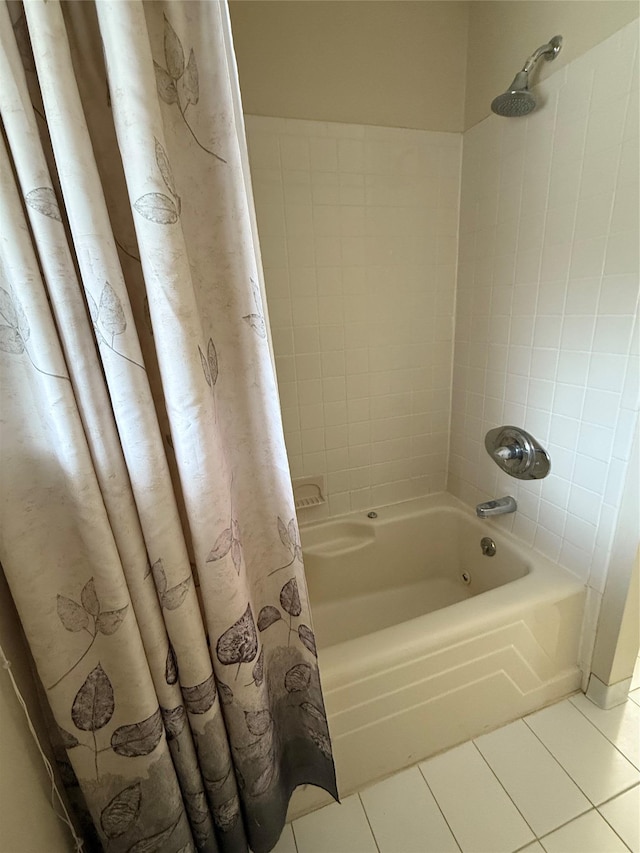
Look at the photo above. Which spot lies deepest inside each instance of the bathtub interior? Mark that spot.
(366, 574)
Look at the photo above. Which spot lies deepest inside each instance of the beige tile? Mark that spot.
(620, 725)
(623, 814)
(545, 795)
(593, 763)
(404, 816)
(338, 828)
(286, 842)
(589, 833)
(476, 807)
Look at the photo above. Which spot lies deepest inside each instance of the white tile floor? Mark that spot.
(564, 779)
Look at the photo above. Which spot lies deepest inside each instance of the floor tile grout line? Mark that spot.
(559, 763)
(591, 804)
(373, 835)
(615, 796)
(566, 823)
(524, 846)
(535, 835)
(608, 822)
(604, 734)
(596, 810)
(295, 840)
(435, 800)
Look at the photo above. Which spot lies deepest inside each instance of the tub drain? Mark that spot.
(466, 577)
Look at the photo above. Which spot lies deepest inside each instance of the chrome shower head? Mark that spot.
(518, 100)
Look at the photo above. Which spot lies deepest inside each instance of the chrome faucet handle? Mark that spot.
(512, 451)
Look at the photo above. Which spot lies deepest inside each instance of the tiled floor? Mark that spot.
(564, 779)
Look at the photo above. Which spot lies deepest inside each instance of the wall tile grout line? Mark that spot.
(563, 314)
(603, 268)
(454, 315)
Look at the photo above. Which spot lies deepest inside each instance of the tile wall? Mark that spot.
(358, 231)
(546, 299)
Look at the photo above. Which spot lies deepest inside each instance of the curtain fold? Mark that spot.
(149, 536)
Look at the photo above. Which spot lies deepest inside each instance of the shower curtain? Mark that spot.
(148, 530)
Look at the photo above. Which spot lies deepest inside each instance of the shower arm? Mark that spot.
(549, 50)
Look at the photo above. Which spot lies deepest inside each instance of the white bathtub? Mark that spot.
(415, 659)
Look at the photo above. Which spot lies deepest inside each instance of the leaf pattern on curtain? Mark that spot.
(138, 739)
(256, 319)
(167, 80)
(157, 207)
(239, 643)
(109, 320)
(170, 597)
(15, 331)
(94, 706)
(154, 843)
(43, 199)
(87, 617)
(122, 811)
(230, 540)
(184, 719)
(209, 364)
(290, 538)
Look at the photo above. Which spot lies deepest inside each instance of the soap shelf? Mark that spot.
(308, 492)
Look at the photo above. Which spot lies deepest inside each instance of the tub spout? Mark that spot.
(499, 507)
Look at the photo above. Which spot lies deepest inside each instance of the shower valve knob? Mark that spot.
(509, 452)
(517, 453)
